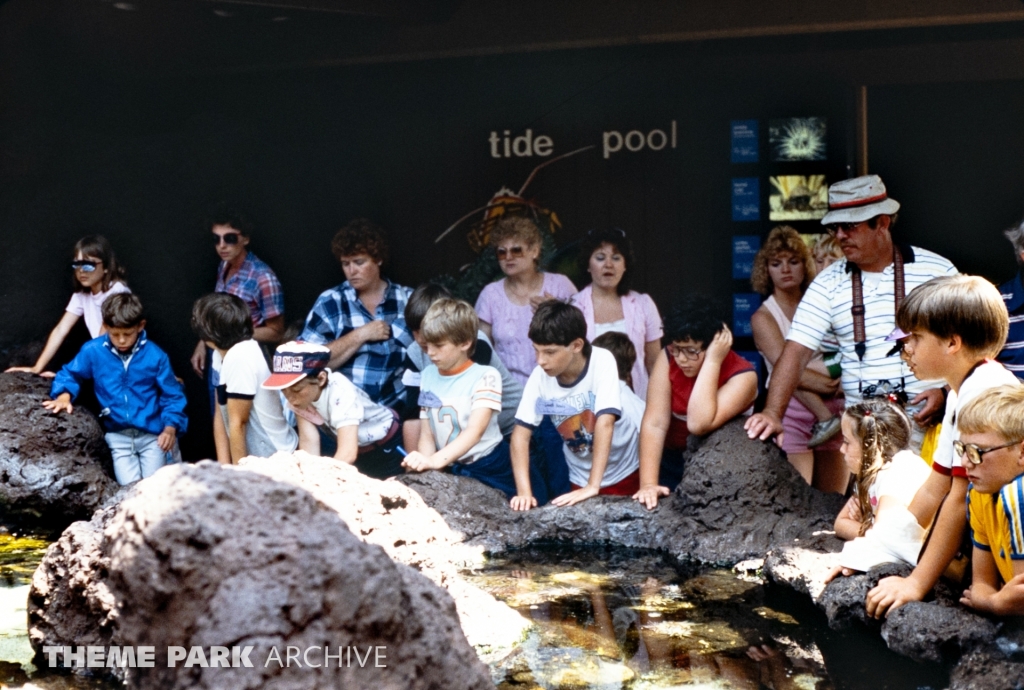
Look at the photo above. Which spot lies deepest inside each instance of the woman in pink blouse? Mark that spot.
(609, 305)
(506, 307)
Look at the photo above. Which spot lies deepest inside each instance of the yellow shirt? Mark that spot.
(997, 524)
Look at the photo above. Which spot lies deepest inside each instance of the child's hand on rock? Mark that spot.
(62, 403)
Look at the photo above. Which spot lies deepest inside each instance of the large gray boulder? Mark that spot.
(54, 468)
(738, 499)
(204, 555)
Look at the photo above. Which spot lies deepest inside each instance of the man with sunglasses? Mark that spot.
(245, 276)
(991, 448)
(854, 302)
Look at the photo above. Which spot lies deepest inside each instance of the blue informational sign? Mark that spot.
(744, 249)
(744, 141)
(744, 304)
(746, 199)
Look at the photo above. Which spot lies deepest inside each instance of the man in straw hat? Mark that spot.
(854, 302)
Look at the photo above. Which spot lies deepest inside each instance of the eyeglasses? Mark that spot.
(510, 252)
(833, 228)
(684, 352)
(228, 238)
(975, 454)
(85, 266)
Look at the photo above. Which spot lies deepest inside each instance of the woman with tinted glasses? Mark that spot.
(505, 307)
(96, 276)
(609, 305)
(697, 384)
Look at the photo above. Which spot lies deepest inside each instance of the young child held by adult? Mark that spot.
(142, 403)
(335, 418)
(991, 448)
(459, 402)
(575, 385)
(253, 415)
(483, 353)
(624, 352)
(951, 328)
(875, 521)
(97, 275)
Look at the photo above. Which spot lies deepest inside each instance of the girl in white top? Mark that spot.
(97, 275)
(876, 520)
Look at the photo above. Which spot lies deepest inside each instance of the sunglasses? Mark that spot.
(975, 454)
(685, 352)
(510, 252)
(896, 393)
(228, 238)
(833, 228)
(85, 266)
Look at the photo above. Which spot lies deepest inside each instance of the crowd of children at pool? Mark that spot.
(550, 395)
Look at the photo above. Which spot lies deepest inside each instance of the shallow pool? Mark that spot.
(612, 618)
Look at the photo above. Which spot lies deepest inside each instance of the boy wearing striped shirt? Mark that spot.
(459, 401)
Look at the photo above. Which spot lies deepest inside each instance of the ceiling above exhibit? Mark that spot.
(239, 35)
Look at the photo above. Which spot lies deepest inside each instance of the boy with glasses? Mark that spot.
(949, 329)
(991, 448)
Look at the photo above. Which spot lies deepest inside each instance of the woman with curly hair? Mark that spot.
(362, 321)
(782, 270)
(697, 385)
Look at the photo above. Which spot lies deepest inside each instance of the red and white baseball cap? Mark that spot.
(858, 199)
(293, 361)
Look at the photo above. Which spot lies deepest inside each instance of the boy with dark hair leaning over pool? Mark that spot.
(577, 386)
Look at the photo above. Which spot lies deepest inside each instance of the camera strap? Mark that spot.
(859, 336)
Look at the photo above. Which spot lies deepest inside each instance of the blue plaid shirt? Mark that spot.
(375, 367)
(257, 285)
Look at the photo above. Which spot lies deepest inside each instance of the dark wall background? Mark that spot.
(90, 144)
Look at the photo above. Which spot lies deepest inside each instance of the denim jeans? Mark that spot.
(136, 454)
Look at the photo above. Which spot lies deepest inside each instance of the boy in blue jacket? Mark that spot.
(143, 404)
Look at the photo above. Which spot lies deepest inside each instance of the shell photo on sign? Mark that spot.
(797, 197)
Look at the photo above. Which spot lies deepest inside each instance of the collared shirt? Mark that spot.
(1012, 355)
(825, 310)
(257, 285)
(376, 367)
(997, 524)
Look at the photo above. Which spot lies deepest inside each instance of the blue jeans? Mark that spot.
(547, 454)
(495, 470)
(136, 454)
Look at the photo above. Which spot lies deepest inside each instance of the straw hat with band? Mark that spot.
(857, 200)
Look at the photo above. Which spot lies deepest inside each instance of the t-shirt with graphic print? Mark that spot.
(448, 400)
(574, 410)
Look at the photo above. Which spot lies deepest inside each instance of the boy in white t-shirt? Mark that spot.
(459, 401)
(253, 416)
(577, 386)
(335, 418)
(624, 351)
(950, 327)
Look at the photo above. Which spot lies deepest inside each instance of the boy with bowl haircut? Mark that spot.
(951, 327)
(991, 448)
(143, 404)
(577, 386)
(459, 402)
(624, 352)
(335, 418)
(253, 415)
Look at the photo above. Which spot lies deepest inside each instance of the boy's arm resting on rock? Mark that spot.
(929, 497)
(62, 403)
(602, 445)
(519, 448)
(69, 378)
(893, 592)
(348, 444)
(417, 460)
(653, 430)
(239, 410)
(309, 437)
(457, 449)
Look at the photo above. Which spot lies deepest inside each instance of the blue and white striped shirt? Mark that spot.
(1012, 356)
(825, 311)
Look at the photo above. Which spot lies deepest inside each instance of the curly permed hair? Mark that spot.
(361, 236)
(781, 240)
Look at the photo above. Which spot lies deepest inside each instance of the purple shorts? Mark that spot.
(797, 424)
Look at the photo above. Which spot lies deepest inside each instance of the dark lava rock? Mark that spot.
(927, 631)
(738, 498)
(843, 598)
(204, 555)
(55, 468)
(987, 670)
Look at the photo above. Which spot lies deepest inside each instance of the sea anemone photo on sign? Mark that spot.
(797, 139)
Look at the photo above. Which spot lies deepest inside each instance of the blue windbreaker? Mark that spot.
(144, 395)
